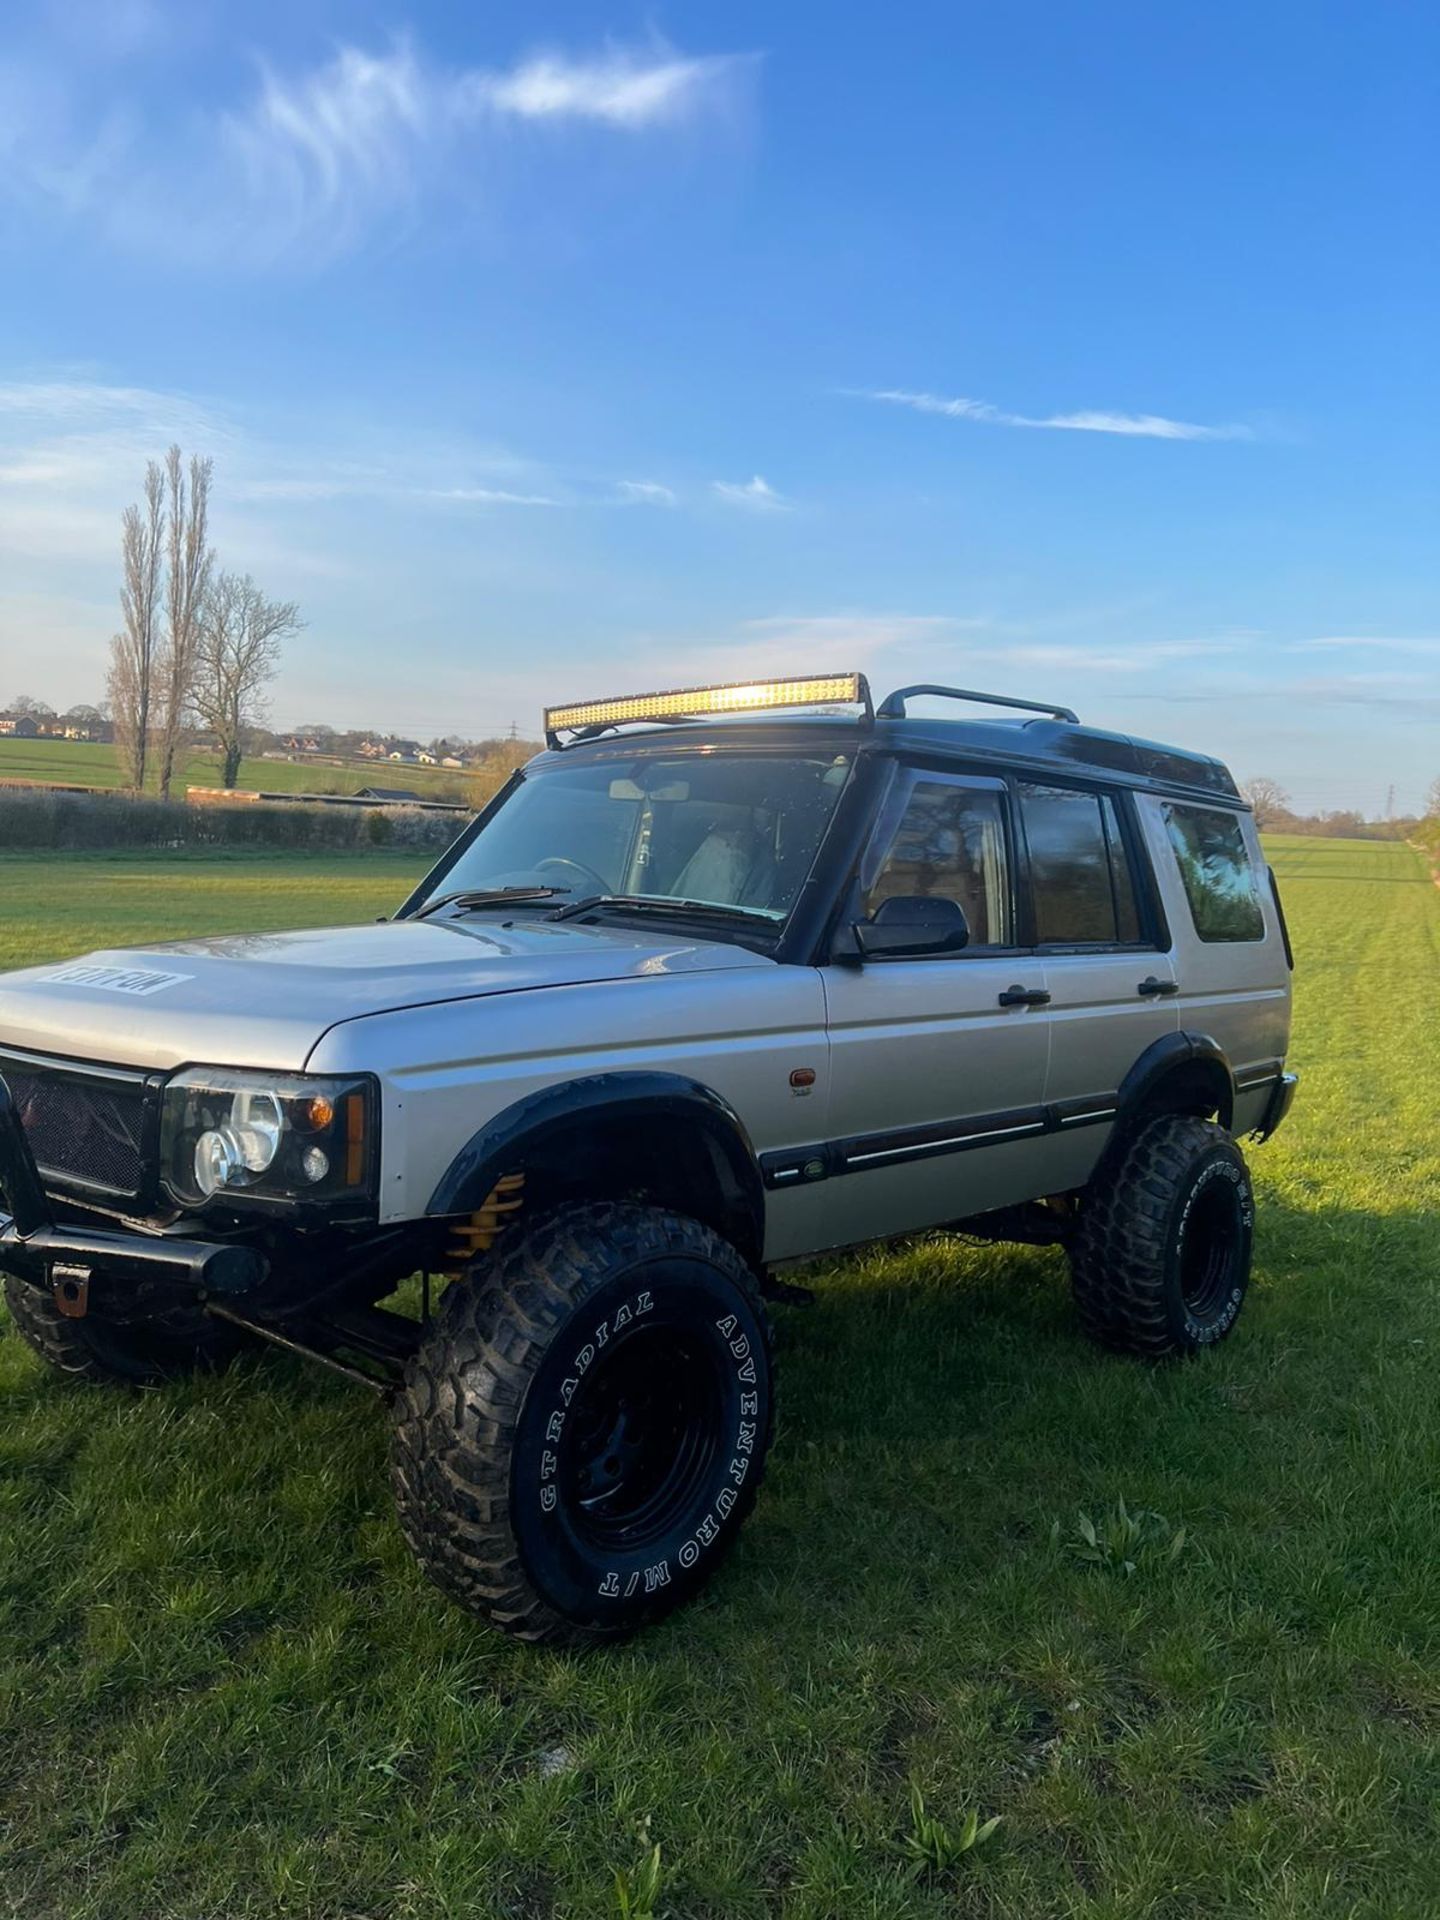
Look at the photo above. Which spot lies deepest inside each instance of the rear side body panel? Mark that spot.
(1235, 991)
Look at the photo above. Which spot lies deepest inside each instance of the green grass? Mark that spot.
(226, 1692)
(55, 905)
(78, 763)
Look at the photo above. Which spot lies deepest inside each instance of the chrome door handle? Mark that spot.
(1152, 987)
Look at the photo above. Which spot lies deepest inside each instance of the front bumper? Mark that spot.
(65, 1257)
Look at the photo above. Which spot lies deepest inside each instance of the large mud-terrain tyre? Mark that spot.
(1160, 1256)
(138, 1352)
(584, 1427)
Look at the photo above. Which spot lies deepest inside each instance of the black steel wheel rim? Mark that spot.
(641, 1437)
(1210, 1249)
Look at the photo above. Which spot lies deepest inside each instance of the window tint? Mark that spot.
(1218, 877)
(1083, 887)
(1122, 880)
(950, 845)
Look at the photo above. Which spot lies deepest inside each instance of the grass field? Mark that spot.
(226, 1692)
(77, 763)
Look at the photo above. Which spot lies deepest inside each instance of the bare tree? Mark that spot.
(187, 543)
(37, 709)
(1268, 800)
(131, 682)
(1432, 801)
(237, 652)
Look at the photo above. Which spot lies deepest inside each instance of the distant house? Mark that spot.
(19, 726)
(425, 757)
(450, 760)
(372, 749)
(404, 750)
(396, 796)
(300, 743)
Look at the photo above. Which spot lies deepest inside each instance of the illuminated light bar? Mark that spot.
(694, 703)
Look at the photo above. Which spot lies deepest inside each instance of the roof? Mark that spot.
(1035, 746)
(385, 793)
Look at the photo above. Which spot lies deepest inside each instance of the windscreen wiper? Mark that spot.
(488, 897)
(656, 903)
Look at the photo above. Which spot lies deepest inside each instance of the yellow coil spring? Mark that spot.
(484, 1227)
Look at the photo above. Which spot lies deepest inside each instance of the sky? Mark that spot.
(1084, 352)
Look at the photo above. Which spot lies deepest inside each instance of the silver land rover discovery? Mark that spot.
(723, 980)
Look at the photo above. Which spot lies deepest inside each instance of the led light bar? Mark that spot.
(694, 703)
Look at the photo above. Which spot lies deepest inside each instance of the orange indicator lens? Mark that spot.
(315, 1114)
(355, 1140)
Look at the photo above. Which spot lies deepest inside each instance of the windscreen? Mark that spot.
(725, 829)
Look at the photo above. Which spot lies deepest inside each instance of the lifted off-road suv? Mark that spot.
(714, 985)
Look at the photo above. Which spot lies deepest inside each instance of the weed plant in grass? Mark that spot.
(225, 1690)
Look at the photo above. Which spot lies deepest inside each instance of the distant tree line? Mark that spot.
(1274, 814)
(199, 645)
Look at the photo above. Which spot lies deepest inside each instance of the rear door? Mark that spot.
(1230, 949)
(937, 1067)
(1098, 928)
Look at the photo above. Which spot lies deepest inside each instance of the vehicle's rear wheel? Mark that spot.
(585, 1425)
(1160, 1256)
(136, 1353)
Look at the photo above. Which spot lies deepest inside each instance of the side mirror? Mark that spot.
(912, 925)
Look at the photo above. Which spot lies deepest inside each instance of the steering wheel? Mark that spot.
(598, 882)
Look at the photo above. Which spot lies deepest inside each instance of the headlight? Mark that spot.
(281, 1138)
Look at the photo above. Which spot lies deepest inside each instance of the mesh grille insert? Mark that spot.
(78, 1129)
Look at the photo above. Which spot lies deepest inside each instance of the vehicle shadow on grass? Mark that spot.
(941, 1405)
(939, 1409)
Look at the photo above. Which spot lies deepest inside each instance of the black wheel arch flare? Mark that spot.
(1176, 1074)
(526, 1130)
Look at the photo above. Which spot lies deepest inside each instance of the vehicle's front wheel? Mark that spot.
(585, 1425)
(135, 1353)
(1160, 1255)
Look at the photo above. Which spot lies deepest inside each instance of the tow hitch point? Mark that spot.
(71, 1288)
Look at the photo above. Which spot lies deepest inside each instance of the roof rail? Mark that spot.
(893, 706)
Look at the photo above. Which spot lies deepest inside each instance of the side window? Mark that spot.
(1122, 879)
(1080, 872)
(950, 844)
(1217, 873)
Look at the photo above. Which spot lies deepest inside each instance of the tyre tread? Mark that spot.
(458, 1410)
(1118, 1252)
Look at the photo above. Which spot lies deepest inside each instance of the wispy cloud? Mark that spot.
(617, 89)
(844, 634)
(491, 497)
(756, 493)
(72, 452)
(1425, 646)
(646, 493)
(1144, 426)
(315, 161)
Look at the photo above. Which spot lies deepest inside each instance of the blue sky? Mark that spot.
(1081, 351)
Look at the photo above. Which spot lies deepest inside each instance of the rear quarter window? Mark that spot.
(1217, 872)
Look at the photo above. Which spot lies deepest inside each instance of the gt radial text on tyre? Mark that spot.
(585, 1425)
(137, 1352)
(1161, 1254)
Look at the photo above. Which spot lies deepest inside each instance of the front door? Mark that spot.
(937, 1070)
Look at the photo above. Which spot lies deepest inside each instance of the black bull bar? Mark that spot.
(49, 1253)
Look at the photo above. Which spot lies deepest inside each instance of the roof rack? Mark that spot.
(893, 706)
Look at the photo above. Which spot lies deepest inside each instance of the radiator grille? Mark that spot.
(82, 1128)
